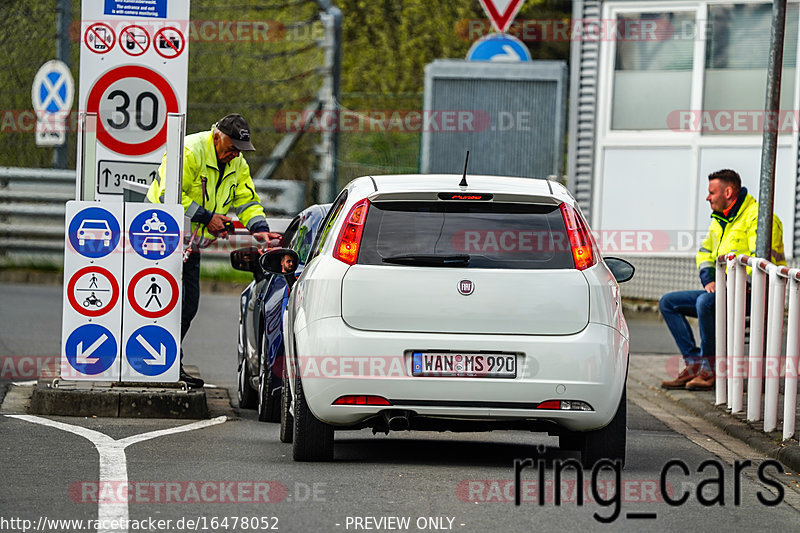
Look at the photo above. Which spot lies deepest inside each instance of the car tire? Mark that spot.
(604, 443)
(287, 420)
(244, 392)
(313, 439)
(268, 404)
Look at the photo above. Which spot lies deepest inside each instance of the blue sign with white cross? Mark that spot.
(151, 350)
(94, 232)
(499, 47)
(154, 234)
(91, 349)
(53, 88)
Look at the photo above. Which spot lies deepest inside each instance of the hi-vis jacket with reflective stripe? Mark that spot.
(736, 234)
(234, 190)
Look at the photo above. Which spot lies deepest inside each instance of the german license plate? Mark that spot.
(469, 365)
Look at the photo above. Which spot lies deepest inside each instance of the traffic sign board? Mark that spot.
(134, 40)
(51, 94)
(153, 292)
(94, 232)
(151, 350)
(154, 234)
(92, 291)
(132, 103)
(169, 42)
(501, 12)
(111, 174)
(91, 349)
(99, 38)
(499, 47)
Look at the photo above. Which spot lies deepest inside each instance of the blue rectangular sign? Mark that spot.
(137, 8)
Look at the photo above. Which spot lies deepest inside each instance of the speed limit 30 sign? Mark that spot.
(133, 84)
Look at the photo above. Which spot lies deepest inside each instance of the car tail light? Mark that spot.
(361, 400)
(565, 405)
(580, 239)
(350, 237)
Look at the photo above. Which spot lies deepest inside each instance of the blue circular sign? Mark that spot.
(499, 47)
(91, 349)
(151, 350)
(94, 232)
(154, 234)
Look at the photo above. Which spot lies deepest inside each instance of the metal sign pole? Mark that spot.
(176, 128)
(87, 178)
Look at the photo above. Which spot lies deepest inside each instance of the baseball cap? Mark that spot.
(235, 127)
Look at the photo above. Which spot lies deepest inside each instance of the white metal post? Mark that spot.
(87, 179)
(735, 394)
(721, 335)
(174, 167)
(731, 296)
(756, 359)
(777, 293)
(792, 351)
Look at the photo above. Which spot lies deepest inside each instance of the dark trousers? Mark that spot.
(191, 292)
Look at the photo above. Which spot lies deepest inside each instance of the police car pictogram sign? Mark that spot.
(92, 291)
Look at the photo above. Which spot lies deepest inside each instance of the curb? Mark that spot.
(770, 444)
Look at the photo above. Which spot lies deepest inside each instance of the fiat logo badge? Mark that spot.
(466, 287)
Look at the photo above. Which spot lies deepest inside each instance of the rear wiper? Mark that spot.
(457, 260)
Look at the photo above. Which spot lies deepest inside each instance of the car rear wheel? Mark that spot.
(313, 439)
(245, 393)
(604, 443)
(287, 420)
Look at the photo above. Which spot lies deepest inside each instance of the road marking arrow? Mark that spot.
(82, 358)
(158, 358)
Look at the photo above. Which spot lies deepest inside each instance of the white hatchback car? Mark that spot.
(428, 304)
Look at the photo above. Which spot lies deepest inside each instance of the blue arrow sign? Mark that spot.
(151, 350)
(154, 234)
(499, 47)
(94, 232)
(91, 349)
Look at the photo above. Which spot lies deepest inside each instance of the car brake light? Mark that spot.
(349, 240)
(579, 238)
(361, 400)
(565, 405)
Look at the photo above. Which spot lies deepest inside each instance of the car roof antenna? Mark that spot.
(464, 177)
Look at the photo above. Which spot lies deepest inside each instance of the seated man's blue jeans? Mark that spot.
(675, 307)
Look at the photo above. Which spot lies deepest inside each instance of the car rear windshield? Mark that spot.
(465, 234)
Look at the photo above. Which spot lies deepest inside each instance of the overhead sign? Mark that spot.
(133, 73)
(92, 302)
(501, 12)
(499, 47)
(152, 307)
(52, 94)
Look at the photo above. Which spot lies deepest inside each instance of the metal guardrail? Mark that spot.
(762, 365)
(33, 208)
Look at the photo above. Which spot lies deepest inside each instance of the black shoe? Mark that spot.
(191, 381)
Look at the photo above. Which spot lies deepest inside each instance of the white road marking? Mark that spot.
(113, 466)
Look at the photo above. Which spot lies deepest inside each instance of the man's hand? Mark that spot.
(711, 287)
(270, 237)
(217, 225)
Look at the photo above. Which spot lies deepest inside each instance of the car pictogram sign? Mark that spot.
(94, 232)
(154, 234)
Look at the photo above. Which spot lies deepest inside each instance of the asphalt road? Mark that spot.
(237, 468)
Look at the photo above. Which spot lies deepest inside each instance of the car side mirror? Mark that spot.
(246, 260)
(620, 269)
(279, 261)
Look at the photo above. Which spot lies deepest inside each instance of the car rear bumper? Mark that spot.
(334, 360)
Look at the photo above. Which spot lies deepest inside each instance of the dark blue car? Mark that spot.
(260, 346)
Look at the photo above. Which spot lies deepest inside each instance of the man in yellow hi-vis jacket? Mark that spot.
(734, 219)
(216, 179)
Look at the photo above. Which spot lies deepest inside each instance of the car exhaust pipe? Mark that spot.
(396, 420)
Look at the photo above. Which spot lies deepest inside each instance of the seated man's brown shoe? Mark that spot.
(704, 381)
(686, 375)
